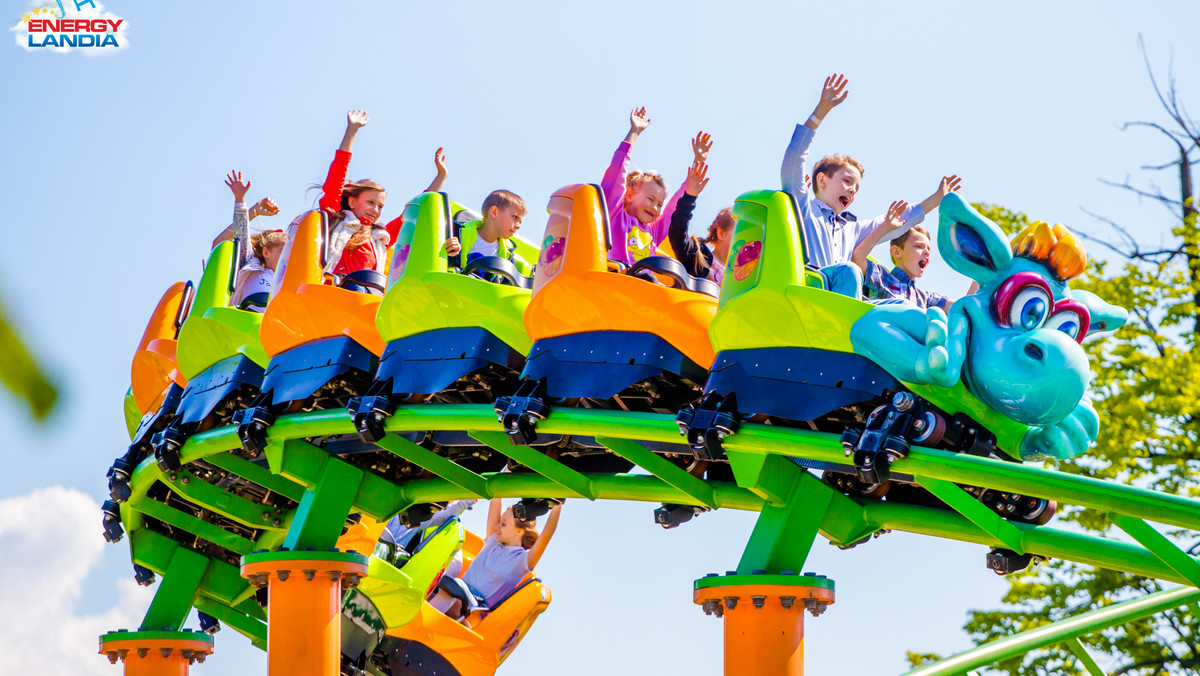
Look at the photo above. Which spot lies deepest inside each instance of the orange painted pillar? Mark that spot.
(304, 603)
(764, 618)
(156, 653)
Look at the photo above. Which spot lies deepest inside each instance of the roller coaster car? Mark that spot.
(605, 339)
(451, 337)
(784, 354)
(220, 355)
(402, 574)
(321, 339)
(432, 643)
(156, 384)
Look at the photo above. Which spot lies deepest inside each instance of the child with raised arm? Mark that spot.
(511, 549)
(700, 257)
(910, 254)
(637, 218)
(830, 231)
(493, 234)
(257, 254)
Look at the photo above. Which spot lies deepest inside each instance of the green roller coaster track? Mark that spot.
(795, 507)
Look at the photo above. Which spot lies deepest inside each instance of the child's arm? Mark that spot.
(238, 230)
(613, 183)
(892, 222)
(947, 185)
(264, 207)
(832, 95)
(493, 520)
(683, 246)
(335, 180)
(453, 246)
(535, 552)
(355, 120)
(439, 161)
(701, 145)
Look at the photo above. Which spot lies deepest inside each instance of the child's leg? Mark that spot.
(844, 279)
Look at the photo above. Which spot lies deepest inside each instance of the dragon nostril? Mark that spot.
(1034, 351)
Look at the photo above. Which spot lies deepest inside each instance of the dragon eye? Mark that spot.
(1066, 321)
(1029, 308)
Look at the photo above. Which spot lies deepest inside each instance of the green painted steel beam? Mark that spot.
(662, 468)
(201, 529)
(754, 439)
(222, 581)
(474, 484)
(979, 514)
(256, 474)
(200, 492)
(304, 463)
(1050, 634)
(1085, 658)
(1040, 540)
(575, 484)
(631, 487)
(176, 591)
(783, 536)
(322, 513)
(1044, 483)
(251, 628)
(1160, 546)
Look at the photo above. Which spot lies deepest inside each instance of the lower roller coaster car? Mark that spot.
(220, 354)
(399, 578)
(602, 339)
(432, 643)
(157, 384)
(321, 339)
(791, 352)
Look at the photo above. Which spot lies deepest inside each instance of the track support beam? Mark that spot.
(966, 504)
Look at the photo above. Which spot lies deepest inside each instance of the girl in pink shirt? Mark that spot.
(637, 219)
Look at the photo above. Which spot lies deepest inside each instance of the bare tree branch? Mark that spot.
(1132, 249)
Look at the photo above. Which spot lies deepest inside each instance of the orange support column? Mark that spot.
(764, 618)
(156, 653)
(304, 603)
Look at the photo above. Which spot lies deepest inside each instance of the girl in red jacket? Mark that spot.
(357, 241)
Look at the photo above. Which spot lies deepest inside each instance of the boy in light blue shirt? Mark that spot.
(830, 231)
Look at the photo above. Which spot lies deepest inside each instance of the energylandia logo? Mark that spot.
(87, 28)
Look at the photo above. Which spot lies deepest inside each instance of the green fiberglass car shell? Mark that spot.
(214, 331)
(425, 294)
(769, 299)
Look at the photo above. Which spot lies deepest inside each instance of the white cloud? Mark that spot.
(51, 542)
(54, 9)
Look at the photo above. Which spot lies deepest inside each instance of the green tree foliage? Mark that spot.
(20, 374)
(1147, 392)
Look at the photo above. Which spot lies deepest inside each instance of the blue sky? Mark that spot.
(112, 172)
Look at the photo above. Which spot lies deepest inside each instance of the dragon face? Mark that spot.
(1023, 354)
(1023, 357)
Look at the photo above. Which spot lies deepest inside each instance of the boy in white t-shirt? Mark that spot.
(503, 212)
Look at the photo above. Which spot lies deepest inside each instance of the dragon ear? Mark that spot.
(1105, 316)
(970, 243)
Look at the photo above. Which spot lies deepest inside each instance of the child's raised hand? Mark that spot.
(701, 145)
(356, 119)
(264, 207)
(697, 178)
(892, 220)
(453, 246)
(834, 91)
(948, 185)
(638, 120)
(234, 180)
(439, 161)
